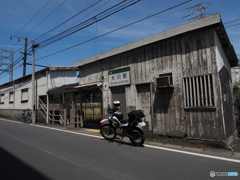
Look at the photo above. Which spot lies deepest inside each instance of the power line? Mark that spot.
(14, 63)
(43, 59)
(89, 14)
(32, 29)
(232, 21)
(46, 17)
(89, 6)
(115, 29)
(232, 25)
(29, 22)
(112, 10)
(19, 59)
(33, 17)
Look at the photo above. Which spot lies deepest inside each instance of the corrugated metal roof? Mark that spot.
(62, 68)
(64, 88)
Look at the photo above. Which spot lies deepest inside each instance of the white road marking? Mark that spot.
(194, 154)
(150, 146)
(67, 131)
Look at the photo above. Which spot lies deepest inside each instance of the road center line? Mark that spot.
(150, 146)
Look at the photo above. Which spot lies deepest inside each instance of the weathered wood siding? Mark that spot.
(188, 54)
(227, 101)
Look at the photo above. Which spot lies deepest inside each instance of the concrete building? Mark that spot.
(16, 96)
(180, 77)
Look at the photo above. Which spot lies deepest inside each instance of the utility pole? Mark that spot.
(25, 52)
(10, 57)
(33, 73)
(25, 58)
(33, 84)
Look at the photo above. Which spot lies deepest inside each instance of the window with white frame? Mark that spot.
(11, 97)
(24, 95)
(199, 91)
(2, 98)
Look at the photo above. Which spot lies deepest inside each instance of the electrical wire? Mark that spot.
(115, 30)
(31, 30)
(73, 28)
(233, 25)
(28, 22)
(232, 21)
(103, 12)
(17, 61)
(94, 42)
(43, 59)
(33, 17)
(46, 17)
(20, 58)
(88, 7)
(114, 9)
(89, 14)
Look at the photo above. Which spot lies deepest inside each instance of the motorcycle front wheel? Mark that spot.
(108, 131)
(138, 137)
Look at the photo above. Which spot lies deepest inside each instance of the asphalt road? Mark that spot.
(32, 152)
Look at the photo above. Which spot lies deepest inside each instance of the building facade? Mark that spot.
(16, 96)
(181, 78)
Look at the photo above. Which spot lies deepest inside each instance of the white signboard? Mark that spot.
(119, 77)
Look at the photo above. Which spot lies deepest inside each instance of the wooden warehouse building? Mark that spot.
(180, 77)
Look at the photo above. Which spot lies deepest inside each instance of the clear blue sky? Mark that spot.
(15, 14)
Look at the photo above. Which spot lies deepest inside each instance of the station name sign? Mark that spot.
(119, 77)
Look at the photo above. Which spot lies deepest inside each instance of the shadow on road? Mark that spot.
(13, 168)
(91, 125)
(118, 140)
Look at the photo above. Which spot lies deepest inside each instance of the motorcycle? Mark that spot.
(116, 125)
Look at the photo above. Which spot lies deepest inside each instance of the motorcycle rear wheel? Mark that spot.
(108, 131)
(138, 137)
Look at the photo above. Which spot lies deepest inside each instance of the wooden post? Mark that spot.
(78, 118)
(65, 117)
(53, 116)
(80, 101)
(72, 112)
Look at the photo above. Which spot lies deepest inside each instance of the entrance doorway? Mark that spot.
(118, 93)
(144, 103)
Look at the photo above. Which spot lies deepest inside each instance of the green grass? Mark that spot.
(14, 119)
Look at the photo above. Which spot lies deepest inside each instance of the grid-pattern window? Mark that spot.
(11, 97)
(2, 98)
(24, 95)
(199, 91)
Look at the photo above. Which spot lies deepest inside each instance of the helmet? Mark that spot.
(116, 104)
